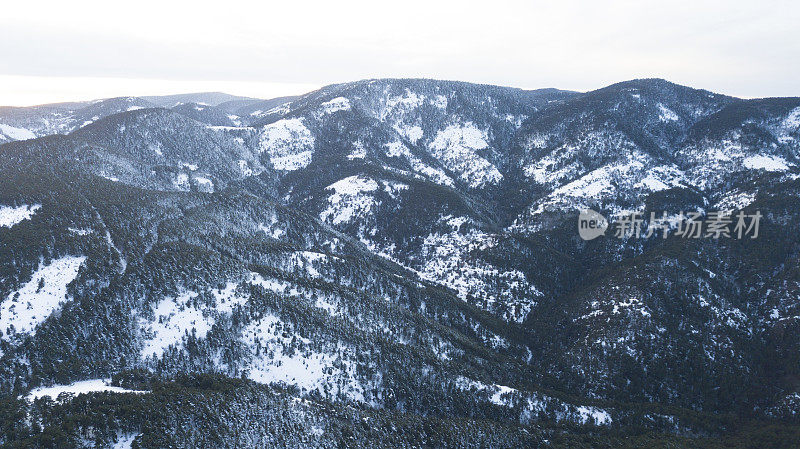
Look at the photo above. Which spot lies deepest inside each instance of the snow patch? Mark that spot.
(308, 260)
(289, 144)
(537, 141)
(594, 415)
(457, 147)
(412, 133)
(447, 261)
(359, 152)
(125, 441)
(10, 216)
(228, 298)
(275, 285)
(29, 306)
(281, 355)
(293, 161)
(398, 149)
(402, 104)
(174, 318)
(156, 149)
(666, 114)
(78, 388)
(353, 185)
(271, 230)
(768, 163)
(609, 181)
(792, 120)
(661, 178)
(204, 184)
(335, 105)
(16, 133)
(735, 201)
(244, 168)
(350, 198)
(652, 183)
(181, 182)
(440, 101)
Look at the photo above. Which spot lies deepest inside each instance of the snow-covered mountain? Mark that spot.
(213, 108)
(396, 262)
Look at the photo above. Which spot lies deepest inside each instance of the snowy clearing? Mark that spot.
(29, 306)
(175, 317)
(9, 215)
(16, 133)
(350, 198)
(335, 105)
(457, 147)
(77, 388)
(768, 163)
(288, 143)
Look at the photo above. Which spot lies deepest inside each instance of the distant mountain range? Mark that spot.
(396, 263)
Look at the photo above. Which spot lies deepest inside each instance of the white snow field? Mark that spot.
(29, 306)
(77, 388)
(9, 215)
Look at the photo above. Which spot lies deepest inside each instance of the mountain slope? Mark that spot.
(403, 253)
(213, 108)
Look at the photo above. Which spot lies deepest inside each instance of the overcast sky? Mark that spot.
(57, 50)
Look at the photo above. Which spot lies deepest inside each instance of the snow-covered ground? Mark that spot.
(411, 132)
(9, 215)
(398, 149)
(275, 285)
(310, 261)
(713, 161)
(13, 133)
(735, 200)
(174, 318)
(77, 388)
(354, 197)
(666, 114)
(768, 163)
(399, 105)
(292, 162)
(351, 197)
(792, 120)
(359, 152)
(228, 298)
(629, 174)
(281, 355)
(37, 299)
(289, 144)
(204, 184)
(594, 415)
(457, 147)
(335, 105)
(181, 182)
(447, 262)
(534, 402)
(124, 441)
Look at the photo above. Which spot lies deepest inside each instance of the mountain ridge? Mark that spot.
(408, 247)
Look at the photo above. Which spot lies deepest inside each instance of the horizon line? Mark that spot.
(280, 89)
